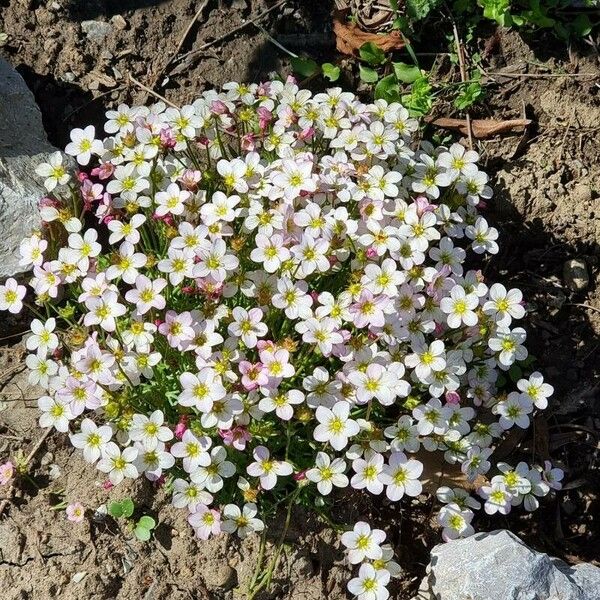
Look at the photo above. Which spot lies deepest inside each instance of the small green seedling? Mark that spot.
(143, 528)
(124, 509)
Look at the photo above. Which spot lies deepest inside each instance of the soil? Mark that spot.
(546, 205)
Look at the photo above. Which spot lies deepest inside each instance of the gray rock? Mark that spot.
(96, 31)
(575, 274)
(499, 566)
(23, 146)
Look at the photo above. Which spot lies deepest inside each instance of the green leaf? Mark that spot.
(372, 53)
(581, 25)
(115, 509)
(332, 72)
(406, 73)
(127, 507)
(304, 66)
(419, 9)
(387, 89)
(515, 373)
(142, 534)
(469, 95)
(146, 522)
(420, 99)
(497, 10)
(367, 74)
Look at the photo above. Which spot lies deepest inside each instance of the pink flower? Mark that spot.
(167, 138)
(190, 179)
(181, 426)
(104, 171)
(75, 512)
(306, 134)
(299, 476)
(265, 116)
(218, 107)
(249, 142)
(253, 375)
(7, 471)
(452, 397)
(82, 176)
(423, 205)
(236, 437)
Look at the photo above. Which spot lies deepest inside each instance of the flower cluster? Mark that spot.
(272, 303)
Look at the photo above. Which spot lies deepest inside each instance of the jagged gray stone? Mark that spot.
(23, 145)
(499, 566)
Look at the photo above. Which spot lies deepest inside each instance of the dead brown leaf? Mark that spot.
(481, 128)
(349, 37)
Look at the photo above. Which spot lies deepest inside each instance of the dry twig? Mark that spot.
(463, 77)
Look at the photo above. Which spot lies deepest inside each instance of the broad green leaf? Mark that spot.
(115, 509)
(406, 73)
(142, 534)
(146, 522)
(304, 66)
(387, 89)
(367, 74)
(581, 25)
(127, 507)
(332, 72)
(372, 53)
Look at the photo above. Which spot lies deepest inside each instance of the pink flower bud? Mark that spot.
(371, 253)
(218, 107)
(452, 398)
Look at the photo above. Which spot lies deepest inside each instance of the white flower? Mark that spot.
(172, 200)
(41, 369)
(536, 390)
(509, 345)
(233, 174)
(375, 382)
(497, 498)
(363, 542)
(243, 521)
(211, 476)
(401, 476)
(118, 464)
(270, 251)
(503, 306)
(193, 450)
(220, 208)
(127, 265)
(83, 144)
(281, 402)
(91, 439)
(368, 473)
(266, 468)
(11, 296)
(484, 237)
(55, 413)
(427, 359)
(32, 251)
(456, 522)
(514, 410)
(248, 325)
(127, 230)
(335, 426)
(460, 307)
(149, 430)
(42, 338)
(327, 473)
(104, 311)
(189, 494)
(201, 390)
(53, 171)
(370, 583)
(147, 294)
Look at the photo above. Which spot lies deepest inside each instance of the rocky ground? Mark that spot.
(77, 58)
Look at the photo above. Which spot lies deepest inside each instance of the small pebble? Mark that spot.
(575, 275)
